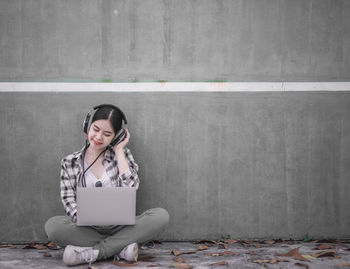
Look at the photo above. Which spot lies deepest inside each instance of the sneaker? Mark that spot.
(77, 255)
(129, 253)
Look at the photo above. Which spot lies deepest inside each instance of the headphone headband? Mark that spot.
(90, 115)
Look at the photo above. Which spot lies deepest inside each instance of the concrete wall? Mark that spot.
(247, 164)
(268, 164)
(150, 40)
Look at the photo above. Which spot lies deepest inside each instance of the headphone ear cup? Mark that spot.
(118, 138)
(86, 123)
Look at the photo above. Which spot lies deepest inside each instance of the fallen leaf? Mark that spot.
(276, 260)
(222, 245)
(229, 253)
(219, 263)
(327, 253)
(293, 253)
(269, 242)
(273, 261)
(250, 252)
(181, 265)
(327, 241)
(345, 264)
(248, 241)
(125, 264)
(257, 245)
(202, 247)
(308, 256)
(230, 241)
(178, 252)
(323, 246)
(7, 246)
(178, 259)
(302, 264)
(32, 245)
(47, 254)
(145, 258)
(154, 265)
(93, 267)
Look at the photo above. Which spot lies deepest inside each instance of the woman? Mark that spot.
(109, 166)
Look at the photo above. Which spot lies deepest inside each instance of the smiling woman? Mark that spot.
(109, 164)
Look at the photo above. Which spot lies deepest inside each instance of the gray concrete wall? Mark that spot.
(251, 165)
(150, 40)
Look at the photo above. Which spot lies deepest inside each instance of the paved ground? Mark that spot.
(241, 254)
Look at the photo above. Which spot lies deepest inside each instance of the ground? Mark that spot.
(203, 254)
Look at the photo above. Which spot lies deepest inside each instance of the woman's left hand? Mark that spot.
(120, 146)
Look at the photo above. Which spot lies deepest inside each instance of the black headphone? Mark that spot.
(119, 136)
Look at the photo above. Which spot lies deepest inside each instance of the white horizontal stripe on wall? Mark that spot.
(173, 86)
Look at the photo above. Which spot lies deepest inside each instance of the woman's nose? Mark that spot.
(99, 135)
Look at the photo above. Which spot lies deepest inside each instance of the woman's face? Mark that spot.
(100, 134)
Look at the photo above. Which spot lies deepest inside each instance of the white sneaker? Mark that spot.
(77, 255)
(129, 253)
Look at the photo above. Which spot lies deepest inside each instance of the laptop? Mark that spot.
(106, 206)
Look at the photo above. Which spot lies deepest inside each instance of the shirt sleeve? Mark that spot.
(68, 194)
(130, 177)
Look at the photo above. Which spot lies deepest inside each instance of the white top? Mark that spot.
(91, 179)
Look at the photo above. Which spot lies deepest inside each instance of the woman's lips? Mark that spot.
(97, 143)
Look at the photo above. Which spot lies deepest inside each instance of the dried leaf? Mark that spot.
(230, 241)
(229, 253)
(202, 247)
(276, 260)
(146, 258)
(323, 246)
(7, 246)
(273, 261)
(327, 253)
(250, 252)
(93, 267)
(154, 265)
(219, 264)
(293, 253)
(345, 264)
(302, 264)
(222, 245)
(47, 254)
(257, 245)
(269, 242)
(308, 256)
(181, 265)
(178, 259)
(124, 264)
(178, 252)
(32, 245)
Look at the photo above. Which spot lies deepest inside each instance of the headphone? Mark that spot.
(119, 136)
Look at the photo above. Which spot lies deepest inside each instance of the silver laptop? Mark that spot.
(106, 206)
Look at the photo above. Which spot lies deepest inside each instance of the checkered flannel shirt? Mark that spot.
(72, 171)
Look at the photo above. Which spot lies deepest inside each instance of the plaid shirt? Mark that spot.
(72, 172)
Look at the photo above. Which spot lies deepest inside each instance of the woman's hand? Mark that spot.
(119, 148)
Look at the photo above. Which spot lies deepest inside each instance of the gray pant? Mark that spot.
(109, 240)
